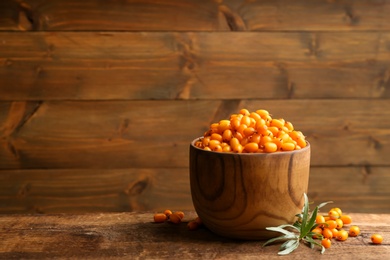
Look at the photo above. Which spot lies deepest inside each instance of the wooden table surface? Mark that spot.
(136, 236)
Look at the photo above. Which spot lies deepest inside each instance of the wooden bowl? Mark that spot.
(239, 195)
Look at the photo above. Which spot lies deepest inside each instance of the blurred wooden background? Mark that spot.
(99, 100)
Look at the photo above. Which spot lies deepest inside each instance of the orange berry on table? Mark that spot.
(318, 231)
(167, 212)
(338, 210)
(331, 224)
(334, 232)
(333, 214)
(346, 219)
(175, 218)
(342, 235)
(193, 225)
(327, 233)
(326, 242)
(354, 231)
(159, 217)
(179, 213)
(197, 219)
(376, 239)
(339, 223)
(320, 219)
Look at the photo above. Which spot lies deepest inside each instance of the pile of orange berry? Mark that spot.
(252, 132)
(176, 218)
(334, 226)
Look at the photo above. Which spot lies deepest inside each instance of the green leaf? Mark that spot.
(280, 230)
(294, 245)
(312, 242)
(300, 230)
(289, 226)
(311, 223)
(305, 212)
(285, 237)
(324, 203)
(287, 244)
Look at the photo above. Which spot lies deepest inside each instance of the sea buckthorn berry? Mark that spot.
(331, 224)
(244, 112)
(255, 116)
(175, 218)
(287, 147)
(252, 127)
(295, 135)
(245, 120)
(235, 122)
(327, 233)
(252, 123)
(238, 135)
(265, 139)
(326, 242)
(227, 135)
(234, 142)
(251, 147)
(213, 144)
(277, 123)
(206, 141)
(354, 231)
(215, 136)
(223, 125)
(226, 149)
(241, 129)
(159, 217)
(339, 223)
(255, 138)
(167, 212)
(198, 219)
(342, 235)
(320, 219)
(238, 148)
(244, 141)
(193, 225)
(262, 113)
(301, 142)
(217, 148)
(334, 232)
(289, 126)
(317, 231)
(338, 210)
(270, 147)
(274, 130)
(376, 239)
(262, 129)
(180, 214)
(333, 214)
(249, 131)
(346, 219)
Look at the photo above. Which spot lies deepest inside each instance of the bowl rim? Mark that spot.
(307, 147)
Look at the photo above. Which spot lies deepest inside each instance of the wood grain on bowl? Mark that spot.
(239, 195)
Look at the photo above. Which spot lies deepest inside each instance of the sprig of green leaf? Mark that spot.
(301, 230)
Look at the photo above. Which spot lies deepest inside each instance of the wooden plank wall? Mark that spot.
(99, 100)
